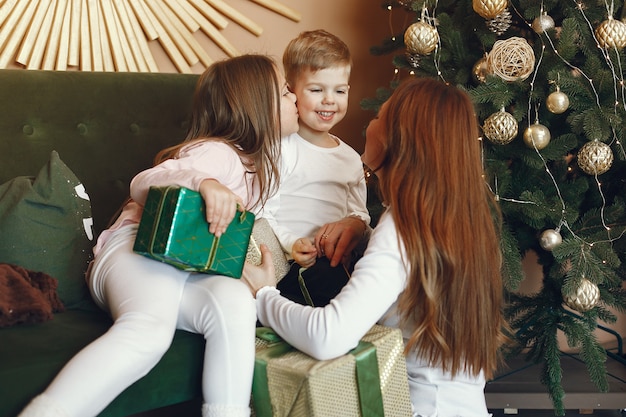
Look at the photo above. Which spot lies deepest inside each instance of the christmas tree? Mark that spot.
(547, 80)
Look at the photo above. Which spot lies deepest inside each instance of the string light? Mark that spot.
(617, 81)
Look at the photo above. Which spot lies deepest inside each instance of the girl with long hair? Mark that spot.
(240, 109)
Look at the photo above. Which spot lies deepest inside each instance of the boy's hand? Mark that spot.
(221, 205)
(304, 252)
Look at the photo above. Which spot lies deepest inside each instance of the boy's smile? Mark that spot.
(322, 100)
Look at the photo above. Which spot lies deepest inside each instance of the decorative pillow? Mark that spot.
(46, 226)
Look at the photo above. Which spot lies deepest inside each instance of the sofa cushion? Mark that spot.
(45, 224)
(32, 355)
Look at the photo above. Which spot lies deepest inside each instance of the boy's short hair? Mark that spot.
(314, 50)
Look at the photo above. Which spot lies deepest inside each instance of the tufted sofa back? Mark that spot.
(106, 127)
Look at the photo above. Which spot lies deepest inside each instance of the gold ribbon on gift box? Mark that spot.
(173, 229)
(216, 240)
(367, 375)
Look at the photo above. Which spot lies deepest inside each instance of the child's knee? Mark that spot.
(147, 335)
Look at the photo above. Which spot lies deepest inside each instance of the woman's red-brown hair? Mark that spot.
(432, 180)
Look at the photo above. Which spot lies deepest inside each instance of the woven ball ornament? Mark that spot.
(511, 59)
(595, 157)
(489, 9)
(537, 136)
(586, 297)
(421, 38)
(611, 34)
(500, 128)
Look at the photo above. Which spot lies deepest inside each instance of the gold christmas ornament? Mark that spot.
(537, 136)
(489, 9)
(611, 34)
(480, 70)
(511, 59)
(585, 298)
(421, 38)
(557, 102)
(542, 23)
(595, 157)
(550, 239)
(500, 128)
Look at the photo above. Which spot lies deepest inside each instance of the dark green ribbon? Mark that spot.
(260, 386)
(367, 375)
(303, 288)
(368, 380)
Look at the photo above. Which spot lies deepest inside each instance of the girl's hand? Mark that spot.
(221, 205)
(304, 252)
(257, 277)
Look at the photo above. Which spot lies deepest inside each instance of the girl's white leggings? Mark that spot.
(148, 300)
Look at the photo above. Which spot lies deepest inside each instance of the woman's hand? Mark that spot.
(337, 240)
(257, 277)
(221, 205)
(304, 252)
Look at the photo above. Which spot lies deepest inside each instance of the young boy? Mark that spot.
(319, 213)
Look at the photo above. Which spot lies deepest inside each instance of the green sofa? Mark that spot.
(105, 127)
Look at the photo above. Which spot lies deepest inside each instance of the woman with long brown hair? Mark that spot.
(433, 263)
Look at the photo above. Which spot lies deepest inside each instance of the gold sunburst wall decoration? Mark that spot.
(114, 35)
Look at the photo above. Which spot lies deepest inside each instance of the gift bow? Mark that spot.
(367, 375)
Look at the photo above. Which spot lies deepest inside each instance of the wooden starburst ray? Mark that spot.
(113, 35)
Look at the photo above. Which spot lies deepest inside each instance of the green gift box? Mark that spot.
(174, 230)
(369, 381)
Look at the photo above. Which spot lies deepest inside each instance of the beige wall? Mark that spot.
(361, 24)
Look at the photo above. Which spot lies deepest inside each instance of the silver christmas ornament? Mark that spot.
(550, 239)
(501, 23)
(585, 298)
(537, 136)
(500, 128)
(557, 102)
(595, 157)
(542, 23)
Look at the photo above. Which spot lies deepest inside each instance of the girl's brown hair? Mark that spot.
(432, 180)
(237, 101)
